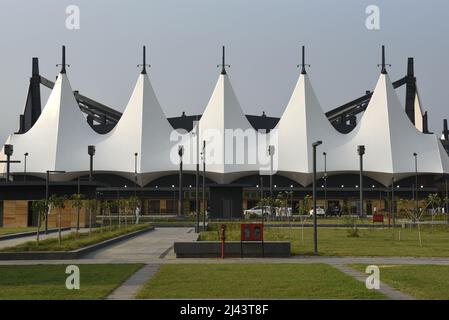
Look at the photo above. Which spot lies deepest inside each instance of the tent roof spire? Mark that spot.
(383, 65)
(63, 64)
(303, 64)
(223, 64)
(144, 64)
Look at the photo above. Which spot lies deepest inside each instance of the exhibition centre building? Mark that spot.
(225, 158)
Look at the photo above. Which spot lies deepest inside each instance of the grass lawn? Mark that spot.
(8, 230)
(371, 242)
(73, 241)
(247, 281)
(48, 281)
(419, 281)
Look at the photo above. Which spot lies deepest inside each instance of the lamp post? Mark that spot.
(392, 202)
(416, 180)
(197, 177)
(91, 152)
(315, 229)
(181, 192)
(203, 153)
(135, 174)
(325, 181)
(25, 155)
(47, 187)
(9, 149)
(271, 154)
(361, 152)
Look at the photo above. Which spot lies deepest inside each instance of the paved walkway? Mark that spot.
(43, 236)
(146, 248)
(129, 289)
(383, 288)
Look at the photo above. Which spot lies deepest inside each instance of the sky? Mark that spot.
(262, 38)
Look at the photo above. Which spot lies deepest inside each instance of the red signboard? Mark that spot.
(251, 232)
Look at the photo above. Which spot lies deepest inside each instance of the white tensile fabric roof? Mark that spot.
(59, 139)
(303, 123)
(390, 140)
(142, 129)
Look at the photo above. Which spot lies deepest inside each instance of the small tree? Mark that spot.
(281, 202)
(92, 207)
(59, 204)
(265, 202)
(122, 205)
(415, 214)
(133, 204)
(77, 202)
(306, 204)
(110, 204)
(433, 201)
(41, 208)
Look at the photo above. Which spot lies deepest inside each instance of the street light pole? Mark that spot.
(392, 202)
(181, 192)
(91, 152)
(25, 166)
(325, 182)
(315, 229)
(135, 174)
(271, 154)
(197, 178)
(204, 185)
(416, 180)
(361, 152)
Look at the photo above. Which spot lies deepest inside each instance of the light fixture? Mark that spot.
(422, 187)
(374, 186)
(257, 186)
(356, 186)
(172, 185)
(342, 186)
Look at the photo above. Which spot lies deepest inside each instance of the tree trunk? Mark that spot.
(419, 235)
(90, 221)
(77, 220)
(119, 221)
(59, 227)
(38, 227)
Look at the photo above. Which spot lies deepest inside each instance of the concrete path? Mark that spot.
(145, 248)
(383, 288)
(129, 289)
(43, 236)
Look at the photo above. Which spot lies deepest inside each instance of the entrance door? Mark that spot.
(227, 208)
(369, 208)
(32, 216)
(1, 213)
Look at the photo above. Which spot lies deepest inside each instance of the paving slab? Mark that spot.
(130, 287)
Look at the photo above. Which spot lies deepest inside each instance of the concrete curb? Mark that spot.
(69, 255)
(212, 249)
(30, 233)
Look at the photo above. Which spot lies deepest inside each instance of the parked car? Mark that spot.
(334, 211)
(283, 211)
(319, 211)
(257, 211)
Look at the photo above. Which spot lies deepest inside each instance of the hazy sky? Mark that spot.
(184, 39)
